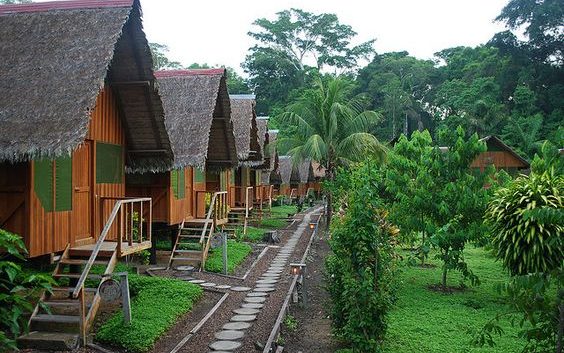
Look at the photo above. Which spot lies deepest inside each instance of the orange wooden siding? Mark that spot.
(500, 159)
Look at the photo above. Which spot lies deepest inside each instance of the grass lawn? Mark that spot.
(236, 254)
(427, 321)
(282, 211)
(156, 305)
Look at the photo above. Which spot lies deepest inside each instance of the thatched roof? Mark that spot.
(305, 171)
(197, 117)
(246, 131)
(56, 57)
(262, 129)
(289, 173)
(318, 170)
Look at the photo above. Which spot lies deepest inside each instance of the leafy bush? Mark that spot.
(18, 289)
(361, 271)
(156, 305)
(236, 254)
(527, 244)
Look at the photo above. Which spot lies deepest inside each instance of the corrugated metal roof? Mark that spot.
(190, 72)
(62, 5)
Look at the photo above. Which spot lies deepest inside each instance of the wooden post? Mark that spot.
(124, 284)
(141, 222)
(120, 229)
(82, 312)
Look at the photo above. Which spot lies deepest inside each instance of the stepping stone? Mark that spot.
(225, 345)
(229, 335)
(240, 289)
(197, 281)
(244, 311)
(270, 275)
(266, 281)
(182, 278)
(237, 326)
(267, 289)
(257, 294)
(208, 284)
(223, 286)
(252, 305)
(276, 267)
(243, 318)
(185, 268)
(264, 285)
(255, 299)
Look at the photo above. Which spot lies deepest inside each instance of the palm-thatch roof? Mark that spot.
(289, 173)
(198, 118)
(318, 170)
(246, 131)
(56, 57)
(305, 171)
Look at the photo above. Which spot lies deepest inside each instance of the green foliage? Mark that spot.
(290, 323)
(524, 242)
(156, 305)
(436, 322)
(253, 234)
(361, 271)
(18, 289)
(236, 254)
(160, 59)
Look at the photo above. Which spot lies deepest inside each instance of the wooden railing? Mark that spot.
(218, 210)
(293, 194)
(219, 205)
(248, 199)
(124, 212)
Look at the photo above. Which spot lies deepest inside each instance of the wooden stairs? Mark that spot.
(191, 242)
(61, 319)
(55, 323)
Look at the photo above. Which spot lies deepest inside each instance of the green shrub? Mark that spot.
(528, 244)
(361, 271)
(156, 305)
(18, 289)
(236, 254)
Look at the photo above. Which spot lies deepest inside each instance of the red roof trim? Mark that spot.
(191, 72)
(63, 5)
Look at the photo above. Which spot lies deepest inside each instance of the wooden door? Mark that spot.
(83, 195)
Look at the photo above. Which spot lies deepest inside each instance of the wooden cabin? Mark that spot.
(247, 174)
(305, 171)
(263, 191)
(69, 98)
(197, 118)
(78, 109)
(289, 177)
(318, 176)
(500, 156)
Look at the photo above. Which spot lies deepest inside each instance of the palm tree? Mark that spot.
(331, 129)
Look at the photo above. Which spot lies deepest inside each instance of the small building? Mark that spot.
(289, 177)
(198, 121)
(319, 175)
(305, 171)
(249, 151)
(78, 110)
(500, 156)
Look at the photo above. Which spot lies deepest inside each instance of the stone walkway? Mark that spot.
(229, 338)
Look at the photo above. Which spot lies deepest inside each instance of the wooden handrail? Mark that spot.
(117, 207)
(216, 208)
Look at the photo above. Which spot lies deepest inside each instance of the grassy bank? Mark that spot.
(236, 254)
(431, 322)
(156, 305)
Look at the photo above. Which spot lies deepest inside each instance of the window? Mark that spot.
(109, 163)
(53, 186)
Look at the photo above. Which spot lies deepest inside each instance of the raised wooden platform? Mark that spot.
(201, 221)
(108, 246)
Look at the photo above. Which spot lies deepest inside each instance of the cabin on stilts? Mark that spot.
(289, 178)
(318, 177)
(263, 190)
(193, 196)
(78, 110)
(500, 156)
(305, 171)
(245, 176)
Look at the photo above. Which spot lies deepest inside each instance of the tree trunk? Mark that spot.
(445, 269)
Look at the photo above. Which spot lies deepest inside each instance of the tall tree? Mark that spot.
(292, 49)
(543, 22)
(331, 128)
(160, 59)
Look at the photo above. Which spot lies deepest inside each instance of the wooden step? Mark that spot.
(188, 251)
(64, 307)
(190, 236)
(57, 341)
(195, 258)
(75, 275)
(81, 262)
(55, 323)
(70, 289)
(86, 253)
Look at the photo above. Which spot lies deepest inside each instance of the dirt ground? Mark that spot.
(313, 333)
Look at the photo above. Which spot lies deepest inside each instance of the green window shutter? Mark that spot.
(109, 163)
(63, 184)
(223, 181)
(174, 182)
(181, 184)
(199, 176)
(232, 176)
(258, 177)
(43, 182)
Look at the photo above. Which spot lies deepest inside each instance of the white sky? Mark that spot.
(215, 31)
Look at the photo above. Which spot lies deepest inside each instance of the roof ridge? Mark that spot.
(189, 72)
(62, 5)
